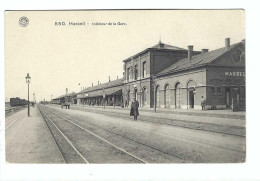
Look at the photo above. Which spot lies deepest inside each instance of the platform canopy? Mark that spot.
(107, 92)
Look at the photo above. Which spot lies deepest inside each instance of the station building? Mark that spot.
(71, 97)
(218, 76)
(166, 76)
(140, 68)
(109, 93)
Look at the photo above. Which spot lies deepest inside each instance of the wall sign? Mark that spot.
(235, 74)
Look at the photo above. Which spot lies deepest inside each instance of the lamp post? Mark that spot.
(51, 100)
(28, 80)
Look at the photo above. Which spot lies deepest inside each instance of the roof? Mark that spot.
(106, 85)
(197, 60)
(159, 46)
(107, 92)
(69, 94)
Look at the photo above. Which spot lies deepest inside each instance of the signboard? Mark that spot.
(235, 74)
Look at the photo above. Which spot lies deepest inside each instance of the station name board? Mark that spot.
(235, 74)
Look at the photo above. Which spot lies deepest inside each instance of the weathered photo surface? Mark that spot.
(125, 86)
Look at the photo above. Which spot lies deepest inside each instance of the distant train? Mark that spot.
(18, 102)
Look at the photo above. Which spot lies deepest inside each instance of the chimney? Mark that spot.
(190, 50)
(227, 42)
(98, 83)
(92, 84)
(161, 45)
(204, 50)
(108, 78)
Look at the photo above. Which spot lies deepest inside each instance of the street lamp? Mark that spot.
(28, 81)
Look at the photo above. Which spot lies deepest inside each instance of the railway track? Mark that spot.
(208, 127)
(158, 149)
(173, 150)
(180, 158)
(101, 139)
(53, 136)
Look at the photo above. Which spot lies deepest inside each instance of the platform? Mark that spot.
(28, 139)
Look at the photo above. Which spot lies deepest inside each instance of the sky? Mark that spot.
(60, 57)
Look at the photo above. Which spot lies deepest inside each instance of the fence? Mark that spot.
(12, 109)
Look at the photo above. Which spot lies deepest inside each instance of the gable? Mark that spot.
(234, 57)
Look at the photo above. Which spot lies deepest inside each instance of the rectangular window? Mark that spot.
(144, 69)
(218, 89)
(212, 90)
(135, 72)
(128, 74)
(131, 73)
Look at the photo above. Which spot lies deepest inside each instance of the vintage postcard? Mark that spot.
(125, 86)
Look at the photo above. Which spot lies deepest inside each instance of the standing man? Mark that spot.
(134, 108)
(203, 103)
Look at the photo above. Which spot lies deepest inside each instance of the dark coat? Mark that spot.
(134, 108)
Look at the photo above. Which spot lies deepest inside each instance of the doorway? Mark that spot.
(144, 97)
(227, 97)
(191, 99)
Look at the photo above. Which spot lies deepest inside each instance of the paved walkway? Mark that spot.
(28, 139)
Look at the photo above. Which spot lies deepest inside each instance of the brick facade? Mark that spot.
(172, 77)
(221, 80)
(139, 79)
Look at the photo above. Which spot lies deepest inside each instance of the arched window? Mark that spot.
(167, 96)
(144, 96)
(157, 96)
(178, 95)
(128, 98)
(191, 89)
(135, 93)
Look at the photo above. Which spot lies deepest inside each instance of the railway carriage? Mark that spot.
(18, 102)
